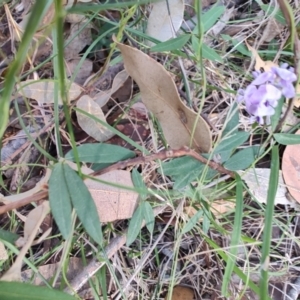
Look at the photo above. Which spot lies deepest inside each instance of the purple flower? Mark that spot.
(283, 80)
(262, 95)
(261, 101)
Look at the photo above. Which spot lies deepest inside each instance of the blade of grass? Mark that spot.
(59, 25)
(81, 8)
(30, 138)
(38, 11)
(272, 189)
(236, 270)
(235, 237)
(59, 149)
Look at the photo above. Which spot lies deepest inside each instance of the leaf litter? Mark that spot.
(180, 126)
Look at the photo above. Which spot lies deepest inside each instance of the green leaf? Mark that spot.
(183, 170)
(232, 120)
(268, 226)
(245, 278)
(83, 204)
(278, 111)
(172, 44)
(210, 54)
(287, 138)
(8, 236)
(211, 16)
(270, 11)
(238, 46)
(232, 141)
(148, 216)
(25, 291)
(242, 159)
(101, 153)
(223, 156)
(138, 182)
(235, 236)
(38, 11)
(93, 7)
(192, 222)
(207, 52)
(134, 226)
(60, 201)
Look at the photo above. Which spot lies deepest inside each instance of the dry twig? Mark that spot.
(185, 151)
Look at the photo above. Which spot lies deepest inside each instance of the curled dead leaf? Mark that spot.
(259, 63)
(160, 96)
(291, 169)
(258, 182)
(217, 207)
(33, 223)
(297, 102)
(163, 21)
(90, 126)
(102, 97)
(43, 91)
(3, 252)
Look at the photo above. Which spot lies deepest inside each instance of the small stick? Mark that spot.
(17, 204)
(288, 15)
(95, 265)
(185, 151)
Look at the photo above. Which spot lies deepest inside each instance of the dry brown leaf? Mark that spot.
(43, 91)
(3, 252)
(259, 63)
(113, 203)
(18, 28)
(258, 182)
(161, 24)
(159, 94)
(102, 97)
(75, 265)
(84, 72)
(297, 102)
(90, 126)
(291, 169)
(181, 293)
(217, 207)
(77, 40)
(36, 216)
(272, 29)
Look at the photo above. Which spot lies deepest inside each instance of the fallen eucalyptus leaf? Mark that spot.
(291, 169)
(84, 71)
(160, 96)
(162, 25)
(3, 252)
(34, 221)
(113, 203)
(102, 97)
(257, 181)
(43, 91)
(78, 39)
(90, 126)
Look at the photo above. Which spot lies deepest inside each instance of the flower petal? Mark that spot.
(273, 93)
(285, 74)
(263, 78)
(288, 90)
